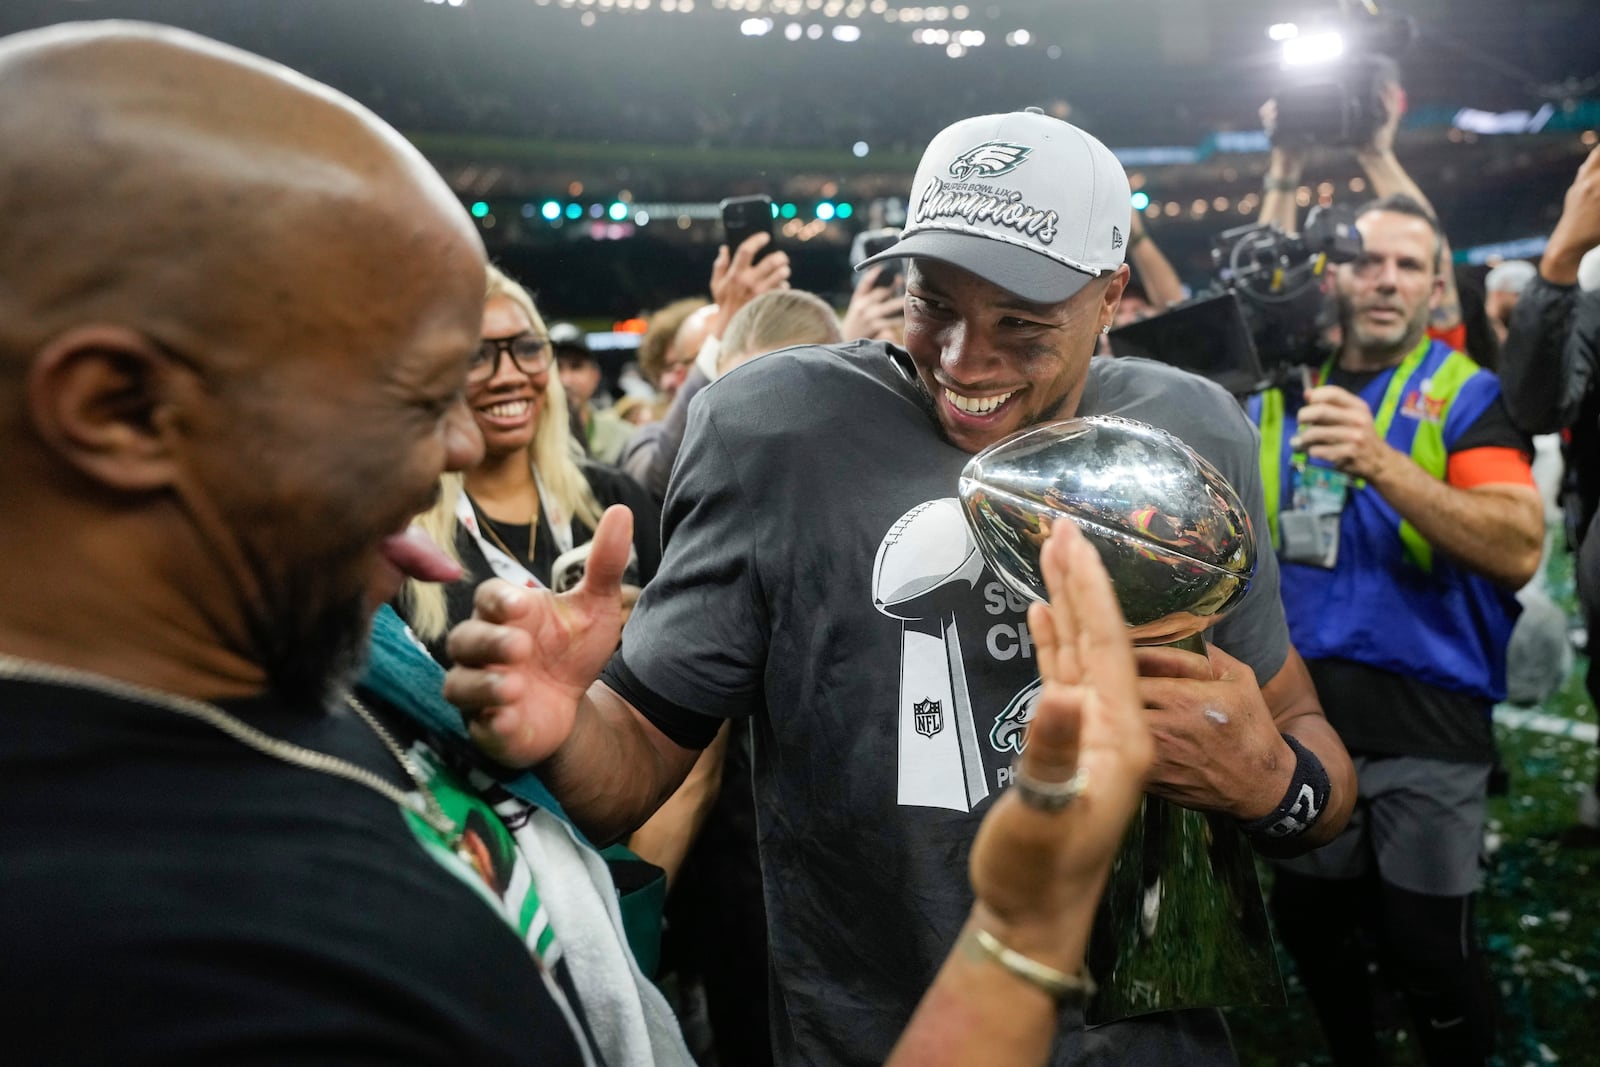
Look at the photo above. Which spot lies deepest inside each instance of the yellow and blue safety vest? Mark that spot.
(1392, 602)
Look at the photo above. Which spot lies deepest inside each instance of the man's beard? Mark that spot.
(315, 659)
(1378, 349)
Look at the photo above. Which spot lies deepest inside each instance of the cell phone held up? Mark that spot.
(869, 243)
(743, 217)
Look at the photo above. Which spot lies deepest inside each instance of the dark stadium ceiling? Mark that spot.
(1136, 71)
(676, 99)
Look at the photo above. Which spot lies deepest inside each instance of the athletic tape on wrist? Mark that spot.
(1301, 806)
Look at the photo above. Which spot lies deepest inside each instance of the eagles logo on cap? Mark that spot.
(989, 160)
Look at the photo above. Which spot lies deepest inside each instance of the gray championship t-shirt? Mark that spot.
(881, 734)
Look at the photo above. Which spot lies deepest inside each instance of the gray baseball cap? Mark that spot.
(1024, 201)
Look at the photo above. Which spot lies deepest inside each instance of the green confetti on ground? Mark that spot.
(1538, 915)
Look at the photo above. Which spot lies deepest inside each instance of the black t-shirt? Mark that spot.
(168, 894)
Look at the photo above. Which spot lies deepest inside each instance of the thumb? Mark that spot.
(609, 556)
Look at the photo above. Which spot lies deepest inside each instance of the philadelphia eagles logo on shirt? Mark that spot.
(1011, 725)
(989, 160)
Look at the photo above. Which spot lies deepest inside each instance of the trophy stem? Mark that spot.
(1182, 923)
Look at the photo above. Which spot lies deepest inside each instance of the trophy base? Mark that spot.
(1182, 923)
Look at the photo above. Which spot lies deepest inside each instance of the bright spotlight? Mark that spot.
(844, 211)
(825, 211)
(551, 210)
(847, 34)
(1141, 200)
(479, 209)
(574, 211)
(1283, 31)
(860, 149)
(1318, 48)
(618, 211)
(793, 31)
(755, 27)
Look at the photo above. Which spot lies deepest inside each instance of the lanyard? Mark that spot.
(503, 565)
(560, 530)
(1383, 418)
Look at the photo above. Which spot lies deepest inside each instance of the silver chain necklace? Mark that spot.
(429, 810)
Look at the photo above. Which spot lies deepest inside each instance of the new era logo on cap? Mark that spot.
(1025, 201)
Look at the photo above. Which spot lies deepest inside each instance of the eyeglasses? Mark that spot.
(529, 354)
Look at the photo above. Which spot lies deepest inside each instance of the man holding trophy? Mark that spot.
(822, 576)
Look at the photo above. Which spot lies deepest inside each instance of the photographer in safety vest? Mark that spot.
(1403, 510)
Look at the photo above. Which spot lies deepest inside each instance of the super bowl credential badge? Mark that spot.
(1310, 527)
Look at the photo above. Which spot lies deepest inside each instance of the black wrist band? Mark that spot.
(1300, 807)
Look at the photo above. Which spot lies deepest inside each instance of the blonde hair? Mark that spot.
(777, 319)
(551, 453)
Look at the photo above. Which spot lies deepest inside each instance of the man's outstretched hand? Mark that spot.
(525, 659)
(1038, 874)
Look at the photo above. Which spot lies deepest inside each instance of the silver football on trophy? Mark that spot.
(1172, 532)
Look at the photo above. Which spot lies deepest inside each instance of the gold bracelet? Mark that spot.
(1061, 986)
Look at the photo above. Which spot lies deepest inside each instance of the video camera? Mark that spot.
(1266, 312)
(1331, 89)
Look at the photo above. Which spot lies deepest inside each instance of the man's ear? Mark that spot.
(103, 398)
(1113, 294)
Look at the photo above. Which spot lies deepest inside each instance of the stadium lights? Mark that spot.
(1316, 48)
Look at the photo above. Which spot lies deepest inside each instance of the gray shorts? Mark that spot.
(1420, 819)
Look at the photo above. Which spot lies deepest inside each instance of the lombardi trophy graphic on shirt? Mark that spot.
(925, 562)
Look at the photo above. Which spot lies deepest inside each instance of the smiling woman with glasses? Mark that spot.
(534, 497)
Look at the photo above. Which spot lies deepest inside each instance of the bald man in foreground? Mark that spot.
(236, 313)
